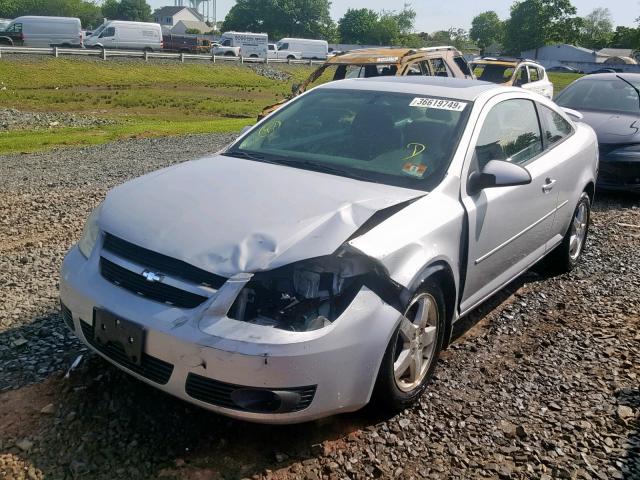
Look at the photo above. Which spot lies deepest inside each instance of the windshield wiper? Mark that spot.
(319, 167)
(239, 154)
(632, 86)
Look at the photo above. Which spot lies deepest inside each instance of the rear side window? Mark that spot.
(439, 67)
(534, 74)
(521, 77)
(510, 132)
(462, 65)
(554, 127)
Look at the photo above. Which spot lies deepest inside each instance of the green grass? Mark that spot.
(143, 99)
(561, 80)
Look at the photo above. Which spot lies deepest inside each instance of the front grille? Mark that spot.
(161, 263)
(66, 316)
(219, 393)
(150, 367)
(157, 291)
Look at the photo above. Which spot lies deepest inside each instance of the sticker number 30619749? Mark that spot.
(438, 104)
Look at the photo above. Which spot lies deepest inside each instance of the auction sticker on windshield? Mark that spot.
(438, 104)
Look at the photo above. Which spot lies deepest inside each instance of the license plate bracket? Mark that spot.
(110, 328)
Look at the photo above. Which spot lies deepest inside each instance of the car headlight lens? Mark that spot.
(90, 233)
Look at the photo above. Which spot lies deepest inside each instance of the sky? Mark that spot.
(441, 15)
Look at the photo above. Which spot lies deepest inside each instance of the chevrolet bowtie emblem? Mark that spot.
(152, 276)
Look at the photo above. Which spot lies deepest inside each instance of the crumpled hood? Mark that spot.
(229, 215)
(613, 128)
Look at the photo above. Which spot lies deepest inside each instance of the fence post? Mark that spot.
(55, 52)
(241, 59)
(0, 53)
(104, 53)
(213, 58)
(310, 62)
(181, 57)
(146, 56)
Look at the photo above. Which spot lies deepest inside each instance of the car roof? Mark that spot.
(386, 55)
(458, 88)
(610, 76)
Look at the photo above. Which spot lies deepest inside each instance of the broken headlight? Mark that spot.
(300, 297)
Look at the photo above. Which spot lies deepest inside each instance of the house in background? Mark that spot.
(182, 26)
(170, 16)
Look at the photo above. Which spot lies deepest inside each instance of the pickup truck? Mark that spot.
(274, 53)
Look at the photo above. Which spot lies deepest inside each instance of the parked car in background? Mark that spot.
(120, 34)
(610, 103)
(186, 43)
(36, 31)
(563, 69)
(310, 49)
(517, 72)
(4, 23)
(383, 211)
(275, 53)
(443, 61)
(606, 70)
(242, 44)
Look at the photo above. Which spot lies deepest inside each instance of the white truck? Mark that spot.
(37, 31)
(276, 53)
(308, 48)
(242, 44)
(119, 34)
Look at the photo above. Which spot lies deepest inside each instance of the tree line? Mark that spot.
(90, 13)
(531, 24)
(534, 23)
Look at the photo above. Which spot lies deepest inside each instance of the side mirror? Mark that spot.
(498, 173)
(294, 88)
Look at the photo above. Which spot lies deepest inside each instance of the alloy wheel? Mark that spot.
(578, 231)
(416, 342)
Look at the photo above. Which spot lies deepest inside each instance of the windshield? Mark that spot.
(609, 94)
(98, 30)
(492, 73)
(405, 140)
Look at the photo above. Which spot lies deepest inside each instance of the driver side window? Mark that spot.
(511, 132)
(109, 32)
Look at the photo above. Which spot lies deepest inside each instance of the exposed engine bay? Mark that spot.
(306, 295)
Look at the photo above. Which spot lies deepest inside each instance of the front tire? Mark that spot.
(566, 256)
(412, 354)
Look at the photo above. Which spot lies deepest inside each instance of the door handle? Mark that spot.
(548, 185)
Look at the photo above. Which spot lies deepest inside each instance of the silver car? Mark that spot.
(321, 260)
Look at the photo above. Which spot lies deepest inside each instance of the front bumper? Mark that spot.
(338, 363)
(619, 175)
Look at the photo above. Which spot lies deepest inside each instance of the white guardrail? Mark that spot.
(146, 55)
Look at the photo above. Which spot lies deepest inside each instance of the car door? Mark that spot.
(509, 227)
(569, 159)
(537, 82)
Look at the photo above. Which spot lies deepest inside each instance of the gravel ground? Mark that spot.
(12, 119)
(544, 385)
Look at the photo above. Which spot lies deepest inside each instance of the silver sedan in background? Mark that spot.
(321, 260)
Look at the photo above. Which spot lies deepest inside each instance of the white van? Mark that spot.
(33, 31)
(313, 49)
(242, 44)
(126, 35)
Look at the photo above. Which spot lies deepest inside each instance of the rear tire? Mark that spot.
(412, 354)
(566, 256)
(229, 54)
(147, 49)
(290, 57)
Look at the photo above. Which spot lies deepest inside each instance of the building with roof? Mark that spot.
(563, 52)
(170, 16)
(182, 26)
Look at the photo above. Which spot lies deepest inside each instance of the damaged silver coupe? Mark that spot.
(321, 261)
